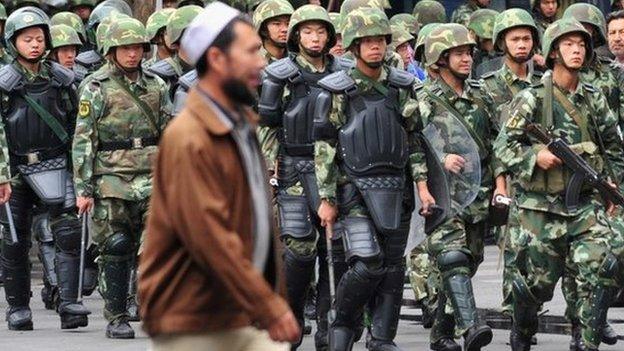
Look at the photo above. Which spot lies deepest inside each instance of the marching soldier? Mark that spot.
(457, 243)
(516, 35)
(289, 92)
(580, 117)
(170, 69)
(38, 109)
(156, 26)
(121, 115)
(271, 19)
(351, 167)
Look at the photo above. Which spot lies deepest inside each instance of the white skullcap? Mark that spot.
(203, 30)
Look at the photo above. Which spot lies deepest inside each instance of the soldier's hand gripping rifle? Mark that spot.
(331, 314)
(583, 172)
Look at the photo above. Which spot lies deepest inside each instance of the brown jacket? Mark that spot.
(196, 273)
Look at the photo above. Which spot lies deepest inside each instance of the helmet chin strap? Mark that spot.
(458, 75)
(125, 70)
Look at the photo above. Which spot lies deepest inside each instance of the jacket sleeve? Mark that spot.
(199, 209)
(85, 143)
(325, 153)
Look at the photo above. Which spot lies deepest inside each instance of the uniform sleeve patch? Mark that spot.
(84, 109)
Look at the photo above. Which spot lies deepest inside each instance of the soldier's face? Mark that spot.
(30, 43)
(483, 3)
(548, 7)
(129, 56)
(278, 29)
(338, 49)
(460, 60)
(373, 49)
(616, 37)
(83, 12)
(66, 56)
(519, 44)
(406, 53)
(571, 51)
(313, 38)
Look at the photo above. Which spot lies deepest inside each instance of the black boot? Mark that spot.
(427, 316)
(19, 318)
(576, 341)
(609, 336)
(132, 306)
(445, 344)
(340, 339)
(17, 291)
(119, 329)
(385, 310)
(476, 337)
(73, 313)
(90, 278)
(49, 293)
(299, 271)
(50, 296)
(518, 341)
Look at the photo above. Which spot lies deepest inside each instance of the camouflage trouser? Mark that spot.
(542, 242)
(454, 235)
(111, 217)
(422, 276)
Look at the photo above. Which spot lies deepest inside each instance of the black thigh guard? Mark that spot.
(67, 232)
(360, 238)
(294, 216)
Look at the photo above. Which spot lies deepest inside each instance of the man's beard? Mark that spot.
(238, 92)
(312, 53)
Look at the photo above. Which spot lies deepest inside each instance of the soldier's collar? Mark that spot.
(367, 83)
(512, 77)
(305, 64)
(448, 92)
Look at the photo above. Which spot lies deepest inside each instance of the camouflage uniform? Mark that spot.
(481, 23)
(429, 11)
(406, 21)
(462, 14)
(540, 21)
(359, 221)
(502, 85)
(156, 24)
(457, 244)
(38, 123)
(113, 148)
(543, 231)
(92, 59)
(5, 58)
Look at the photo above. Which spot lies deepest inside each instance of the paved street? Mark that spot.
(48, 336)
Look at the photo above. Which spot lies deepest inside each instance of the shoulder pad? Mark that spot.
(188, 80)
(488, 75)
(100, 74)
(590, 88)
(61, 75)
(162, 69)
(401, 79)
(343, 64)
(474, 83)
(80, 72)
(10, 78)
(338, 82)
(282, 69)
(89, 58)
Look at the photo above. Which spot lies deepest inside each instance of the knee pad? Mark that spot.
(609, 267)
(368, 270)
(294, 217)
(41, 228)
(450, 261)
(67, 233)
(521, 290)
(360, 239)
(118, 244)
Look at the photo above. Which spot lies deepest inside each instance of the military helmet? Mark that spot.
(98, 14)
(73, 20)
(120, 5)
(54, 6)
(126, 31)
(183, 3)
(443, 38)
(309, 13)
(269, 9)
(76, 3)
(589, 14)
(419, 49)
(481, 22)
(3, 13)
(561, 28)
(336, 21)
(64, 35)
(365, 22)
(400, 36)
(513, 18)
(178, 21)
(13, 5)
(157, 21)
(102, 30)
(22, 18)
(429, 11)
(407, 21)
(352, 5)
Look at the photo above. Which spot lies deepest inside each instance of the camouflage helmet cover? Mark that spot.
(589, 14)
(407, 21)
(98, 14)
(70, 19)
(157, 21)
(481, 22)
(445, 37)
(560, 28)
(178, 21)
(126, 31)
(336, 20)
(400, 36)
(22, 18)
(3, 12)
(102, 30)
(64, 35)
(365, 22)
(120, 5)
(422, 36)
(429, 11)
(351, 5)
(76, 3)
(270, 9)
(513, 18)
(309, 13)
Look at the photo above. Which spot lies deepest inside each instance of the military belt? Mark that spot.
(130, 144)
(299, 150)
(37, 157)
